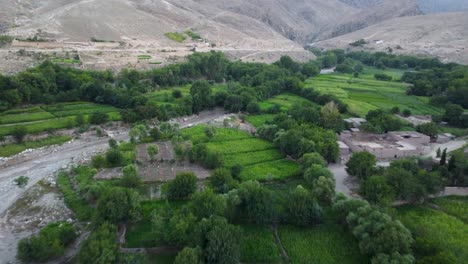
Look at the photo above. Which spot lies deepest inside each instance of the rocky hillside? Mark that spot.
(443, 35)
(439, 6)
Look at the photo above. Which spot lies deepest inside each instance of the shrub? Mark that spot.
(130, 178)
(406, 113)
(221, 181)
(19, 133)
(114, 158)
(98, 117)
(118, 205)
(101, 247)
(50, 243)
(21, 181)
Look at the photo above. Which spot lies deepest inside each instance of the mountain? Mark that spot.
(444, 35)
(439, 6)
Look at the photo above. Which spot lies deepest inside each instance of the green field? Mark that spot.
(261, 159)
(437, 229)
(51, 117)
(258, 246)
(284, 101)
(175, 36)
(13, 149)
(364, 94)
(454, 205)
(324, 244)
(259, 120)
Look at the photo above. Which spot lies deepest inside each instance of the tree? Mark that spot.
(97, 118)
(155, 133)
(152, 150)
(119, 205)
(453, 114)
(79, 120)
(310, 159)
(428, 129)
(207, 203)
(182, 187)
(330, 117)
(213, 159)
(189, 256)
(177, 94)
(256, 203)
(114, 157)
(219, 240)
(324, 189)
(395, 110)
(443, 158)
(377, 191)
(101, 247)
(221, 181)
(175, 227)
(301, 209)
(313, 173)
(201, 96)
(438, 153)
(19, 133)
(138, 132)
(130, 178)
(361, 164)
(113, 143)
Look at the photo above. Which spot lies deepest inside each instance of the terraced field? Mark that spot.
(260, 159)
(365, 93)
(51, 117)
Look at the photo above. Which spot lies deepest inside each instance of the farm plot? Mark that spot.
(284, 101)
(51, 117)
(364, 94)
(455, 206)
(260, 159)
(258, 246)
(327, 243)
(164, 167)
(439, 231)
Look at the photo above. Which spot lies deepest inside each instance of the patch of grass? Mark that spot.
(175, 36)
(326, 243)
(82, 210)
(240, 146)
(258, 246)
(193, 35)
(274, 170)
(365, 93)
(13, 149)
(445, 232)
(144, 57)
(259, 120)
(197, 134)
(25, 117)
(251, 158)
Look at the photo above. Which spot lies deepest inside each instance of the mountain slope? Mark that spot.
(444, 35)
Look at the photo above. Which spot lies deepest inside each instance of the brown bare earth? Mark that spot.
(165, 167)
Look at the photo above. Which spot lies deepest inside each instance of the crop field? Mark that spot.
(261, 159)
(365, 94)
(51, 117)
(326, 243)
(440, 230)
(259, 120)
(258, 246)
(284, 101)
(13, 149)
(455, 205)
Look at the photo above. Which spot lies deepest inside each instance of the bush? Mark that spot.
(119, 205)
(221, 181)
(98, 118)
(383, 77)
(50, 243)
(21, 181)
(130, 178)
(406, 113)
(19, 133)
(114, 158)
(99, 161)
(182, 187)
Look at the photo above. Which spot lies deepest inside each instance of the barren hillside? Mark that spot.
(443, 35)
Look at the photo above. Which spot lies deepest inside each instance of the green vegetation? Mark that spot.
(436, 233)
(327, 243)
(365, 94)
(259, 120)
(456, 206)
(13, 149)
(144, 57)
(193, 35)
(5, 40)
(73, 199)
(284, 101)
(258, 245)
(274, 170)
(52, 117)
(175, 36)
(66, 61)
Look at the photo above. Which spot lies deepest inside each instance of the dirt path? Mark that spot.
(284, 254)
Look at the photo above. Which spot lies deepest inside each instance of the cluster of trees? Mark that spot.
(48, 244)
(403, 180)
(380, 121)
(381, 237)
